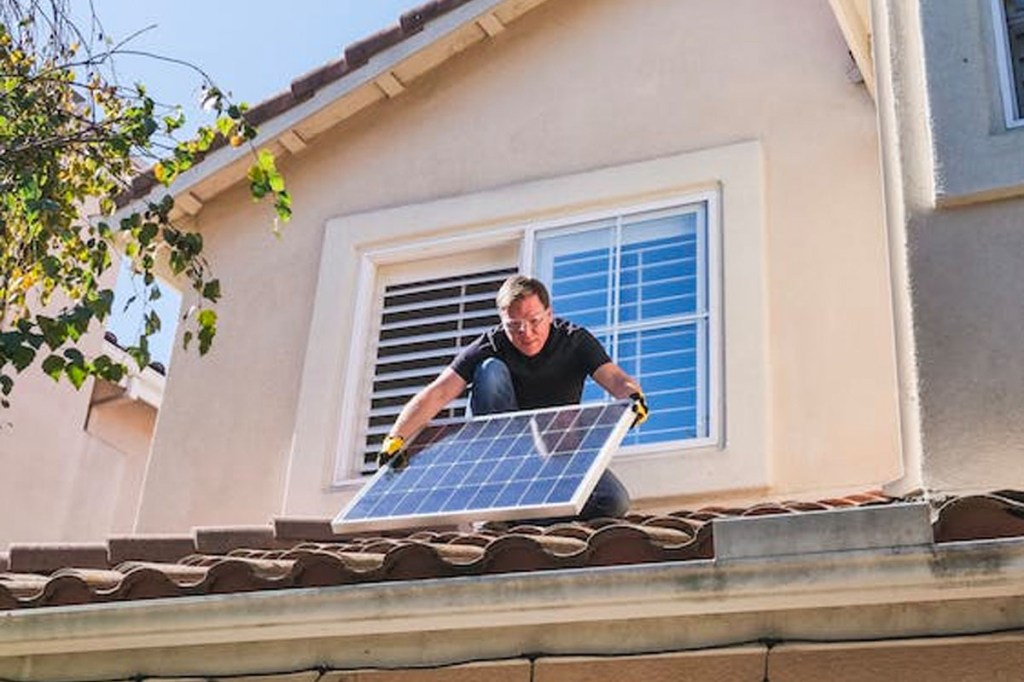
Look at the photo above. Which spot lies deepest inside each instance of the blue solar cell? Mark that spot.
(542, 463)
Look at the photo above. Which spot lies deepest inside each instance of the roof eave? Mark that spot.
(380, 79)
(950, 589)
(854, 18)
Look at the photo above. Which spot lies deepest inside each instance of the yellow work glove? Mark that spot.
(639, 408)
(392, 450)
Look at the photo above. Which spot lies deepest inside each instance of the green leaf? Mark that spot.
(54, 333)
(22, 357)
(75, 356)
(206, 335)
(147, 233)
(211, 290)
(265, 160)
(76, 374)
(140, 353)
(225, 125)
(207, 318)
(53, 365)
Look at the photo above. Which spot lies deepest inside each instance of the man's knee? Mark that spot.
(492, 388)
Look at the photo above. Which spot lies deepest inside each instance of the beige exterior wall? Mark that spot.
(71, 475)
(243, 434)
(954, 178)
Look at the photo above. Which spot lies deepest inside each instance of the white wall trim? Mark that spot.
(355, 246)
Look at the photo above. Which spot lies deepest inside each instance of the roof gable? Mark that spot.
(371, 70)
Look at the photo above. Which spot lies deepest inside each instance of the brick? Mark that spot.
(997, 658)
(491, 671)
(741, 664)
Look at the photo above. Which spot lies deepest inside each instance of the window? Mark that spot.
(639, 282)
(663, 285)
(423, 326)
(1009, 27)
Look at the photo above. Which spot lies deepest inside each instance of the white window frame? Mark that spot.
(714, 351)
(347, 471)
(355, 245)
(1004, 63)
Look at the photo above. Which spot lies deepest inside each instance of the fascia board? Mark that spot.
(956, 588)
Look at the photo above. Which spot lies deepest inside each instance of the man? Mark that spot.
(531, 360)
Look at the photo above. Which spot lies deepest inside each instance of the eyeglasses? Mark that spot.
(519, 326)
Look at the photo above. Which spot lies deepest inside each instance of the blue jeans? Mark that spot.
(493, 392)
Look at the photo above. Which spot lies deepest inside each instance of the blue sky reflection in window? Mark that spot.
(639, 283)
(126, 316)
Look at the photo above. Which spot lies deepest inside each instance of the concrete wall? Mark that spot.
(573, 86)
(954, 174)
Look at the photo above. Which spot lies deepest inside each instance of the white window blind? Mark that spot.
(423, 326)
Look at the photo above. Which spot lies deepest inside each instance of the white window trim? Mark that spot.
(1007, 87)
(355, 245)
(716, 404)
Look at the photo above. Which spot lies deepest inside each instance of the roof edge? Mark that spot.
(955, 588)
(370, 63)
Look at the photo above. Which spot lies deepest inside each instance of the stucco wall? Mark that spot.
(62, 482)
(953, 171)
(573, 86)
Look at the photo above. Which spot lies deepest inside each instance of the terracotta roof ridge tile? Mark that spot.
(233, 574)
(359, 52)
(457, 553)
(98, 579)
(66, 589)
(47, 557)
(321, 569)
(356, 561)
(413, 20)
(674, 522)
(473, 539)
(518, 552)
(623, 543)
(160, 548)
(223, 539)
(181, 575)
(978, 517)
(573, 530)
(416, 561)
(23, 585)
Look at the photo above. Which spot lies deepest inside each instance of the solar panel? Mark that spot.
(516, 465)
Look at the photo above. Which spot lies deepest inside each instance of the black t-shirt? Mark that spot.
(554, 376)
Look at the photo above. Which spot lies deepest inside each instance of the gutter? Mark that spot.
(957, 588)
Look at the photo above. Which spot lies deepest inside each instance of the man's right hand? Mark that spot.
(392, 450)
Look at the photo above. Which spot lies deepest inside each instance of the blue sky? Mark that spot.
(251, 48)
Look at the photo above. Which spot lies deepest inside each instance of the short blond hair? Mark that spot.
(518, 287)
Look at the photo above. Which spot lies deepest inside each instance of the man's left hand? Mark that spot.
(639, 408)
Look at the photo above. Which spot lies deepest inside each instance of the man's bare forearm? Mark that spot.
(423, 406)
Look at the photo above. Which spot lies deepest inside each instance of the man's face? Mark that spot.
(527, 324)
